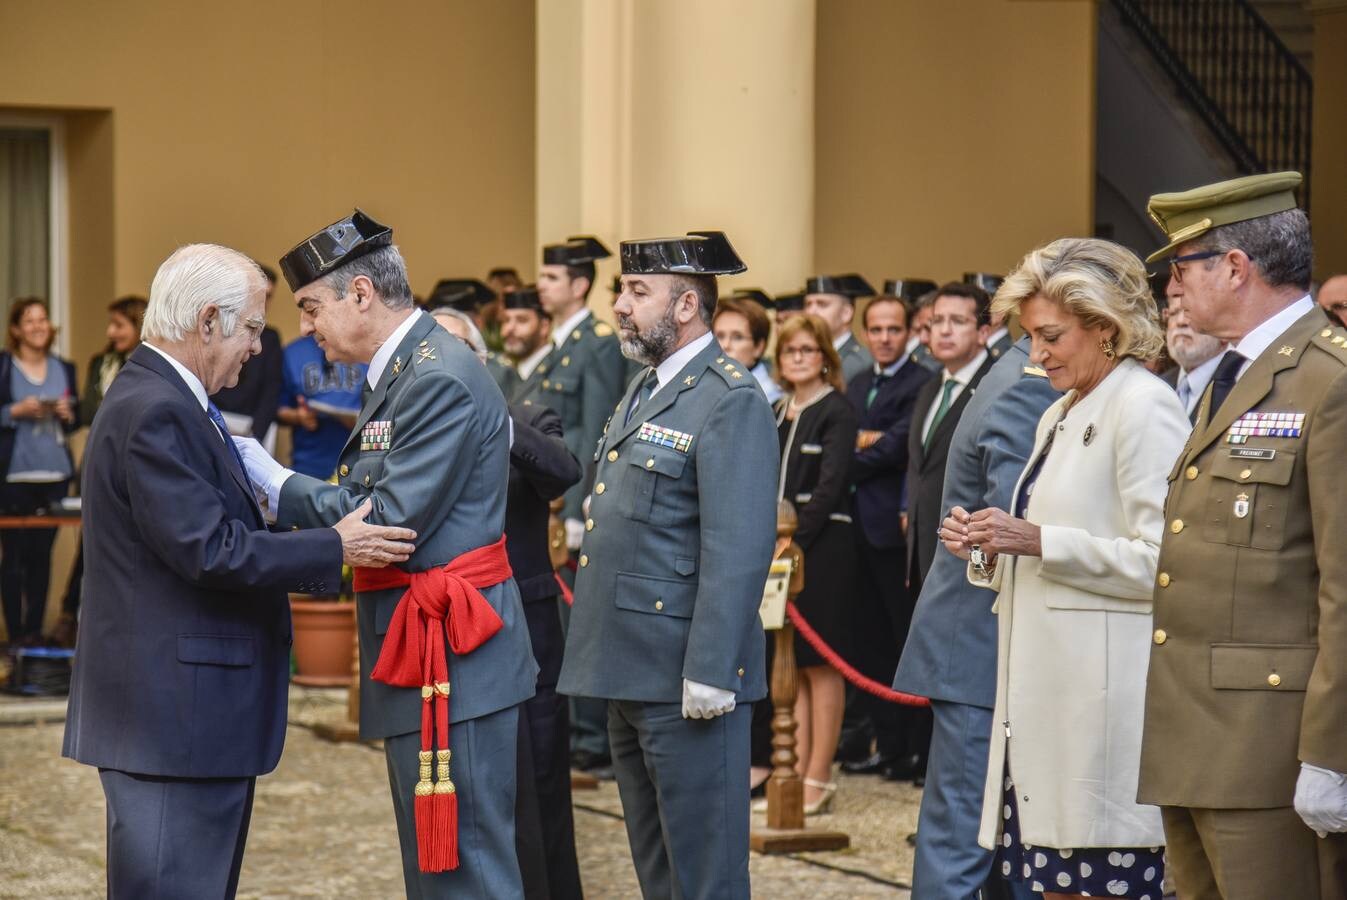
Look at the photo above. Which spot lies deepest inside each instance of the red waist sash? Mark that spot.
(437, 602)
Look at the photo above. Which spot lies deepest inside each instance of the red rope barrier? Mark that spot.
(869, 685)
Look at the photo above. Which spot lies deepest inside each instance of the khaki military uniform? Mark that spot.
(1248, 667)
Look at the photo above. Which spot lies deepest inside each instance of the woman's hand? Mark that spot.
(997, 531)
(954, 533)
(27, 408)
(63, 410)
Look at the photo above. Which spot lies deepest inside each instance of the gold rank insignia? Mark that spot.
(424, 353)
(1339, 340)
(1287, 351)
(736, 374)
(397, 365)
(602, 329)
(1035, 370)
(689, 380)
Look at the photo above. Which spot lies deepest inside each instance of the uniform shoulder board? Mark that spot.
(603, 329)
(1333, 339)
(1035, 370)
(734, 374)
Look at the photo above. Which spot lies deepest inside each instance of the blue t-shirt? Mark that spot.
(306, 373)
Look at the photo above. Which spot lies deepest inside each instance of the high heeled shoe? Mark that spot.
(824, 803)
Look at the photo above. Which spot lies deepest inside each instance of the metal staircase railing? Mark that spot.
(1238, 75)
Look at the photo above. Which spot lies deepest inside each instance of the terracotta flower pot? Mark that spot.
(324, 641)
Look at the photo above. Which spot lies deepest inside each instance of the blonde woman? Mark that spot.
(1074, 564)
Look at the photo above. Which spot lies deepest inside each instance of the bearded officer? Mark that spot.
(431, 450)
(677, 545)
(1243, 745)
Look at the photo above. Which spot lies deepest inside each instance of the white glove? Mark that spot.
(1321, 799)
(575, 533)
(701, 701)
(261, 467)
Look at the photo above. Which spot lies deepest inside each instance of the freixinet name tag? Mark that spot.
(376, 436)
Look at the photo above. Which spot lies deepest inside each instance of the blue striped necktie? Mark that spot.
(215, 416)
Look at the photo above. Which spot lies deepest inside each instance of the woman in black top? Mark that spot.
(817, 426)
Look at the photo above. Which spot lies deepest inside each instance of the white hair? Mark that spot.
(192, 278)
(474, 338)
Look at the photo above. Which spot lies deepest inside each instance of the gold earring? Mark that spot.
(1107, 346)
(825, 370)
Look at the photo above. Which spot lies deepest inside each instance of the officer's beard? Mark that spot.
(652, 346)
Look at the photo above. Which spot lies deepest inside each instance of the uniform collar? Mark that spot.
(1258, 340)
(526, 365)
(385, 351)
(666, 370)
(559, 333)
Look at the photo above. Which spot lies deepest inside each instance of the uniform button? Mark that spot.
(1274, 679)
(612, 456)
(565, 360)
(294, 528)
(599, 488)
(741, 673)
(366, 479)
(589, 524)
(1191, 473)
(1160, 636)
(659, 604)
(1176, 526)
(1164, 579)
(547, 384)
(584, 560)
(650, 463)
(344, 470)
(1244, 475)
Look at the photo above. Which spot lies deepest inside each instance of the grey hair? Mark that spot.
(704, 286)
(192, 278)
(474, 338)
(1278, 245)
(386, 271)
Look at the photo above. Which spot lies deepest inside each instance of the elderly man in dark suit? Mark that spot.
(883, 396)
(179, 689)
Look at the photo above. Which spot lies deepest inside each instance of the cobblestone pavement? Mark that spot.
(322, 826)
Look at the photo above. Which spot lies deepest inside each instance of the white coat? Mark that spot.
(1074, 627)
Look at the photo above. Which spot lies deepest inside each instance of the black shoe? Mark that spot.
(874, 764)
(760, 790)
(853, 745)
(584, 760)
(904, 768)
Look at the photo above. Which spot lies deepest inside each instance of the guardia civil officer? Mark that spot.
(678, 539)
(833, 299)
(431, 450)
(1243, 744)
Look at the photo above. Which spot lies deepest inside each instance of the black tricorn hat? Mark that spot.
(984, 280)
(577, 251)
(852, 286)
(700, 253)
(464, 294)
(333, 247)
(790, 302)
(910, 289)
(757, 295)
(523, 298)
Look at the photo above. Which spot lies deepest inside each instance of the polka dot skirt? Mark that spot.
(1094, 872)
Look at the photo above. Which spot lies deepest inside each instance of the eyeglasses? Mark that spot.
(800, 352)
(1177, 273)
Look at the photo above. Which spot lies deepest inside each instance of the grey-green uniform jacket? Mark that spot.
(855, 358)
(431, 447)
(581, 380)
(680, 534)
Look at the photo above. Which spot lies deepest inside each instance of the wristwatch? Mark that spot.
(978, 560)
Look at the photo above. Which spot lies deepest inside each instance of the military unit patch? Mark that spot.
(1265, 424)
(665, 437)
(376, 436)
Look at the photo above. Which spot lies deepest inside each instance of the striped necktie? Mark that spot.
(946, 400)
(643, 395)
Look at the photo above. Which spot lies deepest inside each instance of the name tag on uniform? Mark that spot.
(664, 437)
(811, 448)
(1252, 453)
(1265, 424)
(376, 436)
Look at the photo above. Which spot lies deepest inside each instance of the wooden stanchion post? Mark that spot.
(785, 831)
(348, 731)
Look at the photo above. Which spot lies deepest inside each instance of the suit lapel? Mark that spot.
(919, 412)
(403, 353)
(1256, 383)
(947, 424)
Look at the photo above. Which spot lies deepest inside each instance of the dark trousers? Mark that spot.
(544, 821)
(684, 789)
(883, 616)
(175, 837)
(25, 559)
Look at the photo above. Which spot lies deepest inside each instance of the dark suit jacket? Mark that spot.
(878, 471)
(541, 469)
(926, 471)
(258, 393)
(818, 464)
(184, 650)
(6, 398)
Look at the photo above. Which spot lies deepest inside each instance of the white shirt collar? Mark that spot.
(1258, 340)
(559, 333)
(526, 365)
(193, 383)
(840, 342)
(912, 344)
(965, 375)
(892, 368)
(666, 370)
(384, 354)
(997, 335)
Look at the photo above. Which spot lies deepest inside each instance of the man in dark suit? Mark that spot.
(884, 396)
(179, 688)
(959, 329)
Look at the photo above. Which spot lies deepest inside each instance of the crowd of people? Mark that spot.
(1116, 589)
